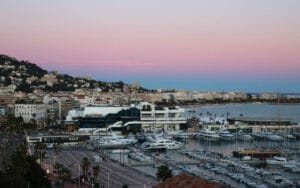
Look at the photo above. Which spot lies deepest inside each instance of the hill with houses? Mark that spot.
(27, 77)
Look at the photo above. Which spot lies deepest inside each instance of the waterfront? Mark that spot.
(214, 161)
(196, 155)
(290, 111)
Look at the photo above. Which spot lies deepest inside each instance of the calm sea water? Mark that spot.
(290, 111)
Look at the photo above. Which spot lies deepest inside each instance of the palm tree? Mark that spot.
(96, 170)
(85, 164)
(63, 174)
(164, 172)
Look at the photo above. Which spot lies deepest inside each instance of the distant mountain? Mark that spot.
(27, 76)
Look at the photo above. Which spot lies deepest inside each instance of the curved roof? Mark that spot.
(102, 110)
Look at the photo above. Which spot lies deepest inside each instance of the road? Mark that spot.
(111, 174)
(9, 141)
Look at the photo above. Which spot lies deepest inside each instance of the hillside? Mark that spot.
(27, 76)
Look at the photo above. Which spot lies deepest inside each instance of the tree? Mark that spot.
(39, 150)
(23, 171)
(63, 174)
(164, 172)
(96, 170)
(85, 164)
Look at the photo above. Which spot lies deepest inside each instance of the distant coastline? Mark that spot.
(198, 104)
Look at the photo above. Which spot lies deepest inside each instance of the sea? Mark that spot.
(284, 111)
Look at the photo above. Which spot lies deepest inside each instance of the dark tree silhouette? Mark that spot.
(163, 172)
(22, 170)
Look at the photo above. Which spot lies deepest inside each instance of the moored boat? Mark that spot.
(162, 144)
(245, 137)
(276, 161)
(208, 135)
(267, 136)
(257, 153)
(226, 135)
(113, 141)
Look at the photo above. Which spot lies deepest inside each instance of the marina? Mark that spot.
(223, 152)
(235, 168)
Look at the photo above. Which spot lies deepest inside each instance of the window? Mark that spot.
(159, 115)
(146, 115)
(171, 115)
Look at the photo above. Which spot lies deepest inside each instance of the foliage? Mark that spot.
(63, 174)
(23, 171)
(96, 171)
(85, 164)
(163, 172)
(25, 87)
(14, 123)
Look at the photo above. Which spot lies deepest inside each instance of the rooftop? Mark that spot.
(188, 181)
(102, 110)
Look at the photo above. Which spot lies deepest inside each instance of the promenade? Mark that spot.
(111, 174)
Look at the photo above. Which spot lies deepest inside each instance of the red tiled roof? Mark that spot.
(184, 180)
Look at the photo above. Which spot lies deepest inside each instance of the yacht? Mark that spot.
(152, 137)
(208, 135)
(267, 136)
(138, 156)
(272, 137)
(226, 135)
(276, 161)
(259, 135)
(184, 135)
(245, 137)
(162, 144)
(113, 141)
(289, 137)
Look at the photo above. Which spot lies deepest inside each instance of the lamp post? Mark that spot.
(79, 179)
(108, 173)
(108, 178)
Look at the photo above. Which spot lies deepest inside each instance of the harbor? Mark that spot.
(215, 161)
(215, 148)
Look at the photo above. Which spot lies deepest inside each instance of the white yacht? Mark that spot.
(226, 135)
(276, 161)
(289, 137)
(245, 137)
(259, 135)
(162, 144)
(267, 136)
(139, 156)
(112, 141)
(208, 135)
(272, 137)
(184, 135)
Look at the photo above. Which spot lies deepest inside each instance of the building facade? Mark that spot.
(157, 118)
(31, 112)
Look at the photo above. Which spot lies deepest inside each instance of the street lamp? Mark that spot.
(108, 173)
(108, 178)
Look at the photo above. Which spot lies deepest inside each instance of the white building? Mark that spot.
(31, 112)
(161, 118)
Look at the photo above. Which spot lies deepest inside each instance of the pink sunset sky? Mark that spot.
(205, 45)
